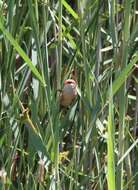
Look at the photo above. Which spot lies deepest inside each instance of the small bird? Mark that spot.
(68, 93)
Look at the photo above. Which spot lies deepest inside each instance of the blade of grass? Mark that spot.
(122, 92)
(110, 145)
(128, 151)
(124, 75)
(21, 53)
(70, 10)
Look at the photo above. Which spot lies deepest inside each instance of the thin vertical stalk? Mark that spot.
(110, 146)
(82, 32)
(135, 164)
(46, 66)
(122, 92)
(59, 64)
(128, 157)
(111, 4)
(98, 55)
(58, 70)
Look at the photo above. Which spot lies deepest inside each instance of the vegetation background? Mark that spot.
(92, 145)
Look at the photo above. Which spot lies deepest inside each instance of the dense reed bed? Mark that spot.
(92, 144)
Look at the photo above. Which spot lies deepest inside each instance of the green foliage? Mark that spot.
(93, 143)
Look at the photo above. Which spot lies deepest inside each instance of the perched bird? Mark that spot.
(68, 93)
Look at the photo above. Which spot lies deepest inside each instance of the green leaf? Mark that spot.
(124, 75)
(110, 145)
(37, 142)
(22, 53)
(70, 10)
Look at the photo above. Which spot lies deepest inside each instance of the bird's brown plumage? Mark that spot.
(68, 92)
